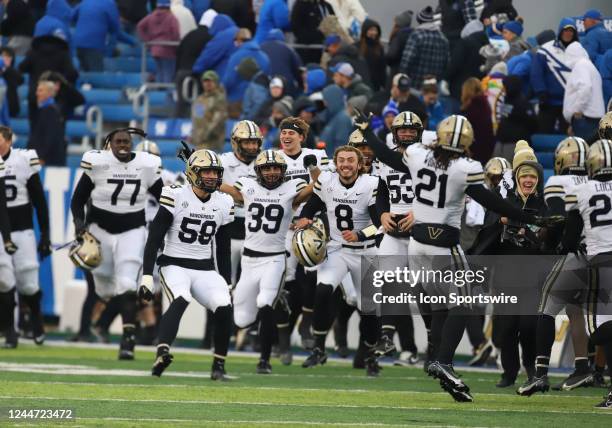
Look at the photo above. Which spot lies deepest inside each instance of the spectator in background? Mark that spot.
(516, 118)
(372, 50)
(234, 85)
(549, 72)
(596, 40)
(56, 21)
(404, 100)
(475, 108)
(208, 114)
(338, 124)
(316, 80)
(273, 14)
(332, 45)
(131, 12)
(276, 92)
(185, 18)
(47, 133)
(583, 104)
(67, 97)
(198, 7)
(12, 78)
(351, 15)
(427, 50)
(217, 51)
(512, 34)
(493, 87)
(345, 77)
(306, 110)
(280, 110)
(257, 93)
(186, 54)
(350, 53)
(96, 32)
(402, 27)
(388, 114)
(429, 97)
(498, 9)
(455, 15)
(161, 26)
(605, 70)
(5, 119)
(306, 15)
(241, 12)
(465, 61)
(17, 25)
(520, 65)
(284, 61)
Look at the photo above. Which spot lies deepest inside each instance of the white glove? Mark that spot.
(145, 291)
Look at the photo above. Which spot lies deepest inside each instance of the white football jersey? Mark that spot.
(120, 187)
(2, 168)
(557, 186)
(195, 223)
(268, 213)
(233, 169)
(19, 167)
(400, 188)
(295, 164)
(440, 194)
(347, 208)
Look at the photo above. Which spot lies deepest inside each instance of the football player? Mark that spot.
(348, 197)
(442, 175)
(24, 192)
(571, 171)
(189, 220)
(269, 202)
(117, 181)
(588, 211)
(605, 127)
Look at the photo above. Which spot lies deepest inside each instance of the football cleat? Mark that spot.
(598, 380)
(482, 354)
(458, 395)
(126, 346)
(360, 357)
(534, 385)
(264, 367)
(606, 403)
(218, 372)
(342, 351)
(12, 339)
(406, 359)
(575, 380)
(40, 339)
(504, 382)
(372, 367)
(315, 358)
(161, 363)
(449, 380)
(101, 335)
(384, 347)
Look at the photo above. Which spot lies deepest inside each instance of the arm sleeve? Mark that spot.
(536, 76)
(556, 206)
(37, 196)
(573, 228)
(313, 206)
(80, 197)
(384, 153)
(493, 202)
(160, 225)
(373, 211)
(156, 188)
(382, 198)
(223, 253)
(5, 225)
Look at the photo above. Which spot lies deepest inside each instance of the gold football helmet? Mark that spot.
(605, 126)
(407, 119)
(309, 245)
(199, 161)
(246, 130)
(571, 156)
(148, 146)
(357, 139)
(495, 169)
(86, 252)
(599, 161)
(270, 158)
(455, 133)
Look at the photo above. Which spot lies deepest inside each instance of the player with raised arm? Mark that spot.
(191, 217)
(117, 181)
(269, 202)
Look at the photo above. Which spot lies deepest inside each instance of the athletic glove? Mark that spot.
(10, 247)
(184, 152)
(145, 291)
(79, 228)
(44, 248)
(310, 162)
(548, 221)
(361, 120)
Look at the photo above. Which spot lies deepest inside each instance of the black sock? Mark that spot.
(88, 306)
(129, 308)
(267, 328)
(33, 303)
(608, 351)
(321, 321)
(452, 332)
(388, 325)
(168, 327)
(307, 281)
(369, 329)
(111, 310)
(581, 364)
(7, 310)
(223, 330)
(437, 324)
(545, 333)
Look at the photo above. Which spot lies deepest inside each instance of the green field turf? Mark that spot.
(105, 392)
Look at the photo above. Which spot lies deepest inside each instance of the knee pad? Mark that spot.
(27, 282)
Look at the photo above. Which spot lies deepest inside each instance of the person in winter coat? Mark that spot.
(161, 26)
(316, 80)
(345, 77)
(241, 12)
(47, 132)
(583, 104)
(276, 92)
(306, 15)
(475, 107)
(350, 53)
(198, 7)
(402, 27)
(17, 25)
(605, 70)
(516, 118)
(351, 15)
(96, 32)
(273, 14)
(284, 61)
(131, 12)
(512, 32)
(520, 65)
(372, 50)
(549, 73)
(209, 112)
(217, 51)
(455, 15)
(257, 93)
(67, 96)
(12, 78)
(465, 60)
(56, 21)
(338, 124)
(185, 18)
(430, 98)
(596, 40)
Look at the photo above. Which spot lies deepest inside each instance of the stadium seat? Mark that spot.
(229, 125)
(127, 64)
(169, 128)
(158, 98)
(173, 164)
(23, 108)
(73, 161)
(545, 142)
(168, 147)
(547, 159)
(22, 92)
(129, 51)
(103, 96)
(20, 142)
(20, 126)
(78, 129)
(118, 113)
(111, 80)
(547, 174)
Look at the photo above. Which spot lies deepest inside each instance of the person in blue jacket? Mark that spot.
(233, 83)
(596, 40)
(198, 7)
(97, 30)
(56, 21)
(217, 51)
(549, 73)
(605, 69)
(273, 14)
(338, 124)
(520, 65)
(284, 60)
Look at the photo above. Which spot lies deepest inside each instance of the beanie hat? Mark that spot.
(526, 170)
(514, 26)
(247, 68)
(523, 154)
(404, 19)
(425, 15)
(210, 75)
(285, 106)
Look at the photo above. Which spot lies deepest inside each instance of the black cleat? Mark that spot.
(450, 381)
(504, 382)
(218, 372)
(342, 351)
(161, 363)
(315, 358)
(384, 347)
(360, 357)
(598, 380)
(372, 367)
(264, 367)
(126, 347)
(606, 403)
(482, 354)
(533, 385)
(575, 380)
(458, 395)
(12, 339)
